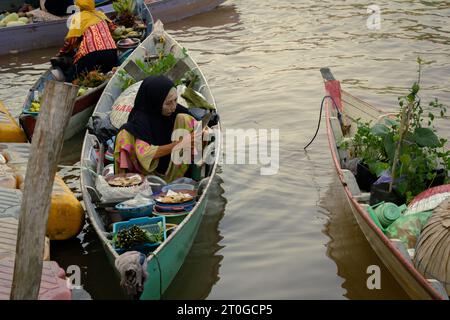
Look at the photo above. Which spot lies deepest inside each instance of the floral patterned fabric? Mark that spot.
(135, 155)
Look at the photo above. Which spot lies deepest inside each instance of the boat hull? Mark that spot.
(165, 262)
(82, 110)
(174, 10)
(401, 267)
(37, 35)
(51, 34)
(165, 267)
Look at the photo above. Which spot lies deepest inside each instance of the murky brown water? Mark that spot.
(290, 235)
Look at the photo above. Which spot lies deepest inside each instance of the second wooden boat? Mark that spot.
(392, 252)
(174, 10)
(84, 105)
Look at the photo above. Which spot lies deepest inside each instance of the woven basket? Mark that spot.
(432, 257)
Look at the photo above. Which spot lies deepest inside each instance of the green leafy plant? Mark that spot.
(124, 10)
(411, 151)
(123, 6)
(158, 66)
(153, 67)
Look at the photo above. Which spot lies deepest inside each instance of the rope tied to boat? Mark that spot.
(320, 118)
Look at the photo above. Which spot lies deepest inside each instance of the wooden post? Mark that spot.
(57, 106)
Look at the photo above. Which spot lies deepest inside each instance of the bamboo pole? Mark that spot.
(57, 106)
(404, 127)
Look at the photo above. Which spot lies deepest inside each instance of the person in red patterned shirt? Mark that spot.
(89, 42)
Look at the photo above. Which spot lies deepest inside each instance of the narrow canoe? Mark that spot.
(14, 5)
(84, 105)
(166, 260)
(51, 33)
(38, 35)
(174, 10)
(390, 251)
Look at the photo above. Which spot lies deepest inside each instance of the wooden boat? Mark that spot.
(174, 10)
(166, 260)
(13, 5)
(39, 35)
(47, 34)
(391, 252)
(84, 105)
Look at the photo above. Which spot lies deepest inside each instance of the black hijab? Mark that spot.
(146, 121)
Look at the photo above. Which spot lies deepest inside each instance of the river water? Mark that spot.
(290, 235)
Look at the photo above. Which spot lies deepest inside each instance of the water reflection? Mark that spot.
(200, 270)
(351, 252)
(86, 251)
(223, 15)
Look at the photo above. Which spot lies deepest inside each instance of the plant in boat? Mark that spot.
(152, 67)
(124, 10)
(407, 146)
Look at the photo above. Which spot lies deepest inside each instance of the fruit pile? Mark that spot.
(91, 79)
(13, 20)
(35, 106)
(122, 33)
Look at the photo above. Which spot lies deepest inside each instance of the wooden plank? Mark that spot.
(134, 71)
(178, 70)
(8, 238)
(356, 108)
(350, 180)
(52, 285)
(57, 106)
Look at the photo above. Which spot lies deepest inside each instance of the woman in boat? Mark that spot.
(56, 7)
(144, 144)
(89, 41)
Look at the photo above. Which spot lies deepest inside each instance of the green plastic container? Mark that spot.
(388, 213)
(385, 213)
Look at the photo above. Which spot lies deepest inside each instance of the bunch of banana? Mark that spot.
(35, 106)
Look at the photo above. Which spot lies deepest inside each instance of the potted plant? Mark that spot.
(405, 148)
(368, 148)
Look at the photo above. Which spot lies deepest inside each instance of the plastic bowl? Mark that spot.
(129, 43)
(178, 186)
(127, 213)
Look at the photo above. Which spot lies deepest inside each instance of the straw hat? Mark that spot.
(432, 257)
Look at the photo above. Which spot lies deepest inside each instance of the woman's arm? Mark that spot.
(69, 46)
(165, 150)
(111, 25)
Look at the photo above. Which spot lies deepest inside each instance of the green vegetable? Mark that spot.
(15, 23)
(123, 6)
(135, 235)
(11, 17)
(195, 100)
(151, 68)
